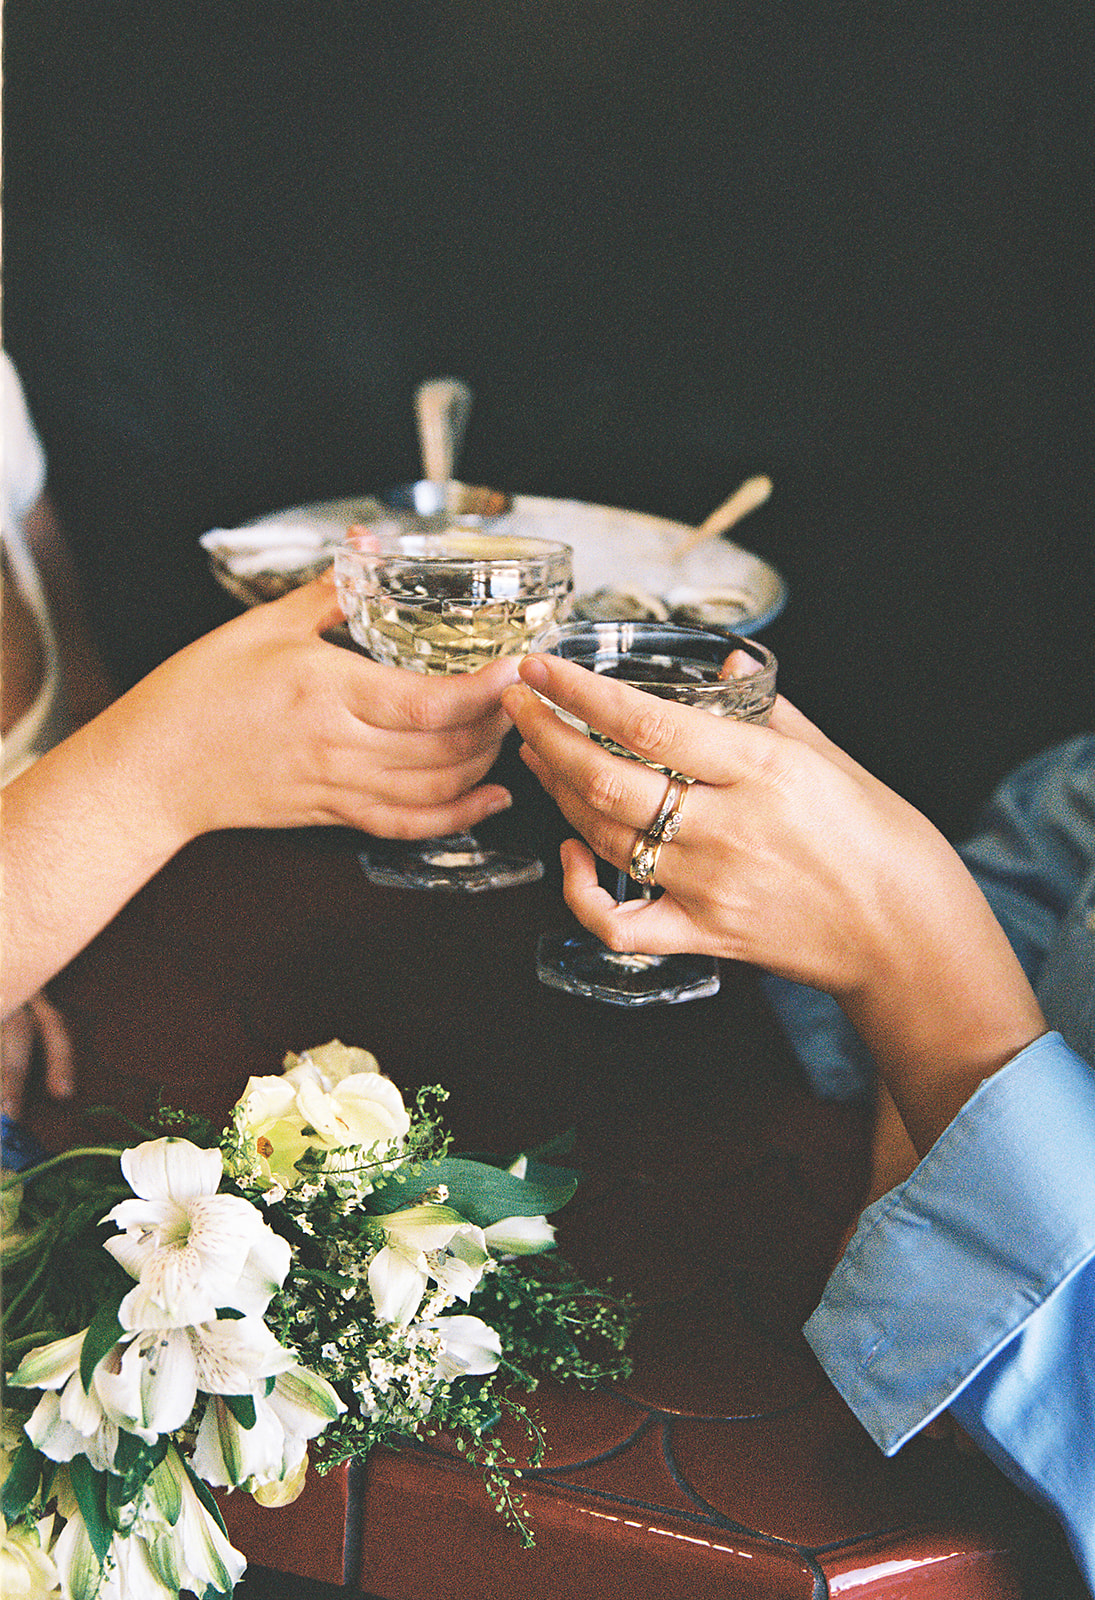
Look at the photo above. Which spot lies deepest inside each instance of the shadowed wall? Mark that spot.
(669, 246)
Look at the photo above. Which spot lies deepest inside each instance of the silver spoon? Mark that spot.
(442, 407)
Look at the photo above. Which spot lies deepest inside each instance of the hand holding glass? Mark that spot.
(447, 601)
(723, 674)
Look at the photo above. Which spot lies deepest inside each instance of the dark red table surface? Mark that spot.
(716, 1192)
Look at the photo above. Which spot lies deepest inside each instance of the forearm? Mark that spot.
(83, 831)
(946, 1004)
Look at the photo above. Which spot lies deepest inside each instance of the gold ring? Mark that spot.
(644, 859)
(667, 823)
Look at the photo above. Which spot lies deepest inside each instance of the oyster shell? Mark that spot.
(620, 605)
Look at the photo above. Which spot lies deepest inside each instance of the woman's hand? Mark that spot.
(265, 723)
(35, 1034)
(262, 723)
(792, 857)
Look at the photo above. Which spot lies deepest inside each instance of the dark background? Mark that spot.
(670, 245)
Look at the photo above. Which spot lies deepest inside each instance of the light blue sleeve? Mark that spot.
(1035, 847)
(1031, 854)
(972, 1287)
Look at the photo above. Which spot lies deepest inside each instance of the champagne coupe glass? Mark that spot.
(430, 597)
(676, 663)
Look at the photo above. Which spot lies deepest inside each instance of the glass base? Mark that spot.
(581, 964)
(457, 863)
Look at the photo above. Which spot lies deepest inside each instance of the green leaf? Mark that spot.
(481, 1193)
(561, 1144)
(90, 1489)
(132, 1452)
(203, 1494)
(21, 1483)
(242, 1407)
(102, 1335)
(541, 1172)
(134, 1461)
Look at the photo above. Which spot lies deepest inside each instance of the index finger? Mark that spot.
(664, 733)
(310, 607)
(398, 700)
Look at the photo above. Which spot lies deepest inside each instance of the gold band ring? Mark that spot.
(666, 825)
(644, 859)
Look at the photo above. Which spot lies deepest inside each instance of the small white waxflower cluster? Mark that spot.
(404, 1375)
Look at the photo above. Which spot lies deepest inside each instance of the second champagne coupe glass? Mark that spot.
(675, 663)
(447, 600)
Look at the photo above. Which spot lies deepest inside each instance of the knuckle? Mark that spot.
(615, 937)
(310, 677)
(604, 788)
(649, 729)
(421, 705)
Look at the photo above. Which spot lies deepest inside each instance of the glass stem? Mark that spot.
(624, 881)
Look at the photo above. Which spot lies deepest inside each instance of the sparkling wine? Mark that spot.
(451, 602)
(448, 636)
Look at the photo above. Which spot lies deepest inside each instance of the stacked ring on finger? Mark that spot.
(666, 825)
(644, 859)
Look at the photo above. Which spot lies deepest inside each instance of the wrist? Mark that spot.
(946, 1005)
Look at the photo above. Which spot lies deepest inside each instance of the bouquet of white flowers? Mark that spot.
(239, 1296)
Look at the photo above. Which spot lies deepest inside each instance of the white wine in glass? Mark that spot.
(440, 599)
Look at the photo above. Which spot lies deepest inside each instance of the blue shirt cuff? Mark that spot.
(945, 1270)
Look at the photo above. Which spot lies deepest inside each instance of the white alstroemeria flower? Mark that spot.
(228, 1455)
(187, 1546)
(73, 1421)
(163, 1371)
(469, 1347)
(304, 1403)
(146, 1384)
(329, 1098)
(27, 1571)
(132, 1571)
(424, 1242)
(283, 1491)
(192, 1250)
(59, 1438)
(520, 1236)
(50, 1366)
(127, 1571)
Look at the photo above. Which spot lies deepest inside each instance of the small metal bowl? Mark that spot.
(451, 499)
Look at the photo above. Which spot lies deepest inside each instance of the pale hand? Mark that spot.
(793, 858)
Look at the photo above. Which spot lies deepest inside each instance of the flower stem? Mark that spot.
(57, 1161)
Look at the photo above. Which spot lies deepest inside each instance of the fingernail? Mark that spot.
(534, 672)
